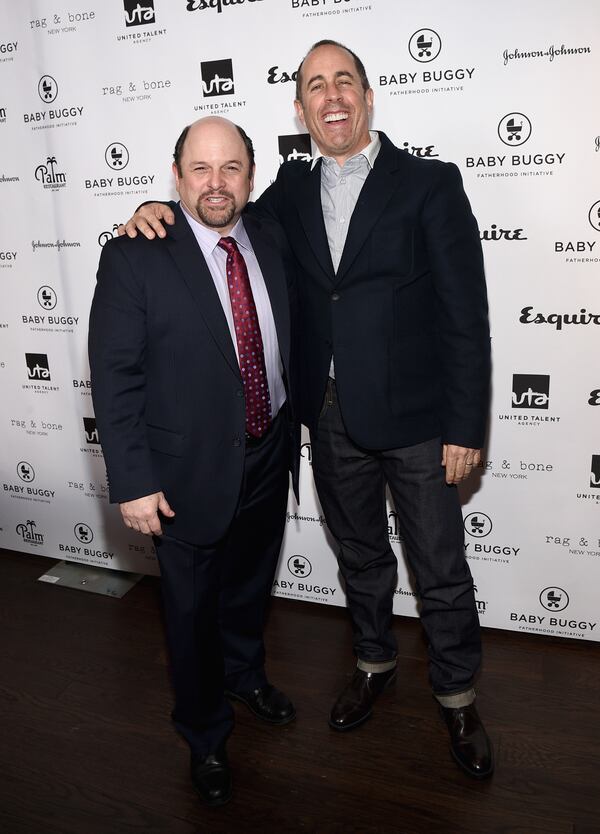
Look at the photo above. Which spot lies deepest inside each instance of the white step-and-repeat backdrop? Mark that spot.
(92, 98)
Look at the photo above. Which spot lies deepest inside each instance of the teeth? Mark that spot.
(336, 117)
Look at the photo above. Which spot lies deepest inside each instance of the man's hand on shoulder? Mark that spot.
(142, 513)
(148, 219)
(459, 462)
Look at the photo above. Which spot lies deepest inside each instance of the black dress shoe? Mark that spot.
(267, 703)
(355, 704)
(469, 742)
(211, 778)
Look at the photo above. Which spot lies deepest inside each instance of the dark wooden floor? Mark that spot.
(86, 744)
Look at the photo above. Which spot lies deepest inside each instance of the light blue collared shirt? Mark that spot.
(340, 189)
(216, 260)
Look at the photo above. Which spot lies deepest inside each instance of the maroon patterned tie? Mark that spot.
(249, 341)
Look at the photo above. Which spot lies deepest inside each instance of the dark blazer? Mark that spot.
(166, 384)
(406, 314)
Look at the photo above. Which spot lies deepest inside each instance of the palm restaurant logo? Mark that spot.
(48, 175)
(29, 534)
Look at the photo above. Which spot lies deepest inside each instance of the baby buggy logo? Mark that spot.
(554, 599)
(425, 45)
(514, 129)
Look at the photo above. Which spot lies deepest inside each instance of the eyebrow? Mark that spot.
(338, 74)
(227, 162)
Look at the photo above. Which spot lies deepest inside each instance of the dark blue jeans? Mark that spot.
(351, 483)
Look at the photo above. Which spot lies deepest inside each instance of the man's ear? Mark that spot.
(299, 111)
(176, 175)
(369, 96)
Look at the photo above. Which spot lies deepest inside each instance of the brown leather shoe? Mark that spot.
(469, 742)
(355, 703)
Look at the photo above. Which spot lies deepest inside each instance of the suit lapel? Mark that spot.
(372, 202)
(273, 273)
(311, 217)
(188, 257)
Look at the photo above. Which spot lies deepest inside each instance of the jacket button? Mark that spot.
(239, 393)
(237, 441)
(335, 296)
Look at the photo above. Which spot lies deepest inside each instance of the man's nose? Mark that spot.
(332, 92)
(216, 180)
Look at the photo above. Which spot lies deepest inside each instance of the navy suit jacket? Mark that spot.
(166, 384)
(405, 316)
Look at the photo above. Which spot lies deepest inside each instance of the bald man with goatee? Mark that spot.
(190, 350)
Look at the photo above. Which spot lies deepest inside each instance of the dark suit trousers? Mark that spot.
(215, 599)
(351, 483)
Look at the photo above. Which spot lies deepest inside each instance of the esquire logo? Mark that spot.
(530, 391)
(219, 5)
(558, 320)
(498, 233)
(277, 76)
(293, 147)
(217, 78)
(138, 13)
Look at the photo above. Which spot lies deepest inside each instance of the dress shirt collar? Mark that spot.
(369, 153)
(209, 238)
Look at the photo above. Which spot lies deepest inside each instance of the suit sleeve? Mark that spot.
(454, 249)
(269, 204)
(117, 351)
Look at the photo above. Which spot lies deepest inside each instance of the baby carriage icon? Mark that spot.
(477, 526)
(47, 89)
(116, 156)
(513, 130)
(553, 599)
(424, 47)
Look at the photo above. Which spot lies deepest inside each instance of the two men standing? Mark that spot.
(394, 376)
